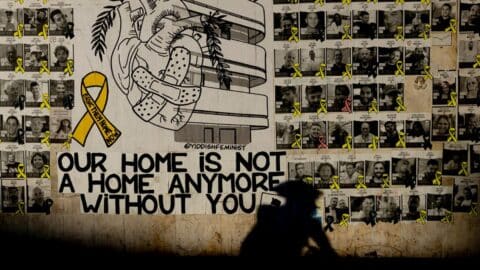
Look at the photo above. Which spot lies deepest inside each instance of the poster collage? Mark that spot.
(341, 69)
(36, 99)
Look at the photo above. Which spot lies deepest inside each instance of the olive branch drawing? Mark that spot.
(102, 24)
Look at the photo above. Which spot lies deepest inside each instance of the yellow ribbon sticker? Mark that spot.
(348, 71)
(45, 101)
(400, 106)
(298, 73)
(298, 141)
(20, 207)
(425, 2)
(346, 2)
(423, 217)
(319, 2)
(19, 32)
(399, 71)
(67, 144)
(360, 182)
(46, 139)
(428, 75)
(477, 61)
(19, 67)
(464, 170)
(94, 113)
(399, 34)
(425, 32)
(69, 69)
(344, 222)
(374, 143)
(44, 67)
(452, 136)
(323, 107)
(373, 106)
(438, 178)
(309, 180)
(386, 181)
(448, 217)
(21, 171)
(294, 33)
(401, 140)
(44, 32)
(297, 111)
(474, 210)
(46, 172)
(346, 30)
(348, 143)
(335, 185)
(453, 99)
(321, 71)
(452, 27)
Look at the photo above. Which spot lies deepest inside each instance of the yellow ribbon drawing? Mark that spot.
(423, 217)
(19, 67)
(452, 137)
(346, 30)
(477, 60)
(44, 67)
(448, 217)
(323, 107)
(401, 140)
(425, 2)
(19, 32)
(474, 210)
(399, 71)
(428, 75)
(94, 114)
(44, 32)
(361, 182)
(464, 170)
(348, 143)
(319, 2)
(400, 106)
(373, 106)
(294, 32)
(21, 171)
(346, 2)
(46, 139)
(321, 71)
(399, 34)
(298, 73)
(438, 178)
(45, 102)
(347, 73)
(335, 184)
(20, 207)
(425, 32)
(297, 111)
(69, 69)
(298, 141)
(374, 143)
(67, 144)
(46, 172)
(386, 181)
(452, 27)
(344, 222)
(453, 99)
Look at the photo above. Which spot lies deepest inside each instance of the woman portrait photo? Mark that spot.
(323, 175)
(470, 90)
(37, 161)
(441, 126)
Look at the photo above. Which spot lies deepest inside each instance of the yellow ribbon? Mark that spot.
(426, 31)
(346, 2)
(373, 106)
(374, 1)
(348, 143)
(298, 141)
(44, 32)
(361, 182)
(69, 69)
(45, 1)
(425, 2)
(347, 73)
(453, 99)
(464, 169)
(46, 172)
(21, 171)
(401, 140)
(401, 107)
(399, 2)
(399, 71)
(428, 75)
(45, 101)
(20, 207)
(474, 211)
(374, 143)
(68, 142)
(386, 181)
(452, 27)
(46, 138)
(438, 177)
(294, 32)
(346, 30)
(19, 67)
(298, 73)
(335, 184)
(319, 2)
(321, 72)
(344, 222)
(20, 1)
(399, 34)
(423, 217)
(452, 136)
(309, 180)
(19, 32)
(448, 217)
(477, 59)
(297, 111)
(94, 113)
(323, 107)
(44, 67)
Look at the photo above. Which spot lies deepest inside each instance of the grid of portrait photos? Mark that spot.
(36, 100)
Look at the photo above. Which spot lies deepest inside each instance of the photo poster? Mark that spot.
(208, 107)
